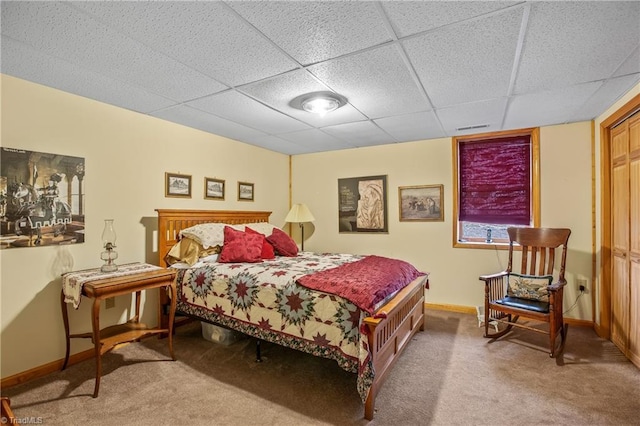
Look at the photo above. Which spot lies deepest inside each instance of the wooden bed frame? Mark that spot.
(388, 335)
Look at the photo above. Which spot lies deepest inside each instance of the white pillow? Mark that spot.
(208, 234)
(264, 228)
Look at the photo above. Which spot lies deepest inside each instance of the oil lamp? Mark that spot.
(109, 255)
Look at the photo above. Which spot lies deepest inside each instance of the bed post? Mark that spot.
(391, 332)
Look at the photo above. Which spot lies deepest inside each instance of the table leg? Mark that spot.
(65, 320)
(95, 323)
(137, 317)
(172, 315)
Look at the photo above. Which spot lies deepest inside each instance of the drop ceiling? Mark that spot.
(411, 70)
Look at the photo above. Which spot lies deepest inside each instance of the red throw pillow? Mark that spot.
(240, 246)
(267, 248)
(283, 243)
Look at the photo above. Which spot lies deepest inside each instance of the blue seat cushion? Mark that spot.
(528, 304)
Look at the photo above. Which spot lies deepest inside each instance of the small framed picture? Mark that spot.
(176, 185)
(213, 189)
(421, 203)
(245, 191)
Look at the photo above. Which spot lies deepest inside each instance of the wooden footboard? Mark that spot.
(389, 336)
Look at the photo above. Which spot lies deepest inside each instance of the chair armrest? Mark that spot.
(556, 286)
(486, 278)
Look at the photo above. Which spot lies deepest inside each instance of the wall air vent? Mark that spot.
(477, 126)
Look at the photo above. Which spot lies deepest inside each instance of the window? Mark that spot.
(496, 184)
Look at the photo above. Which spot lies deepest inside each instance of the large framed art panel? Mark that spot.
(362, 204)
(41, 198)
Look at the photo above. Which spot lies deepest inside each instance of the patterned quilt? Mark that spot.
(264, 301)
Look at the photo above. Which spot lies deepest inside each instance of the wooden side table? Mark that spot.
(106, 285)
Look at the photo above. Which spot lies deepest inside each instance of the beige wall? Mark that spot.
(565, 202)
(126, 156)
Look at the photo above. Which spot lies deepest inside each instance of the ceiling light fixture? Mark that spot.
(319, 103)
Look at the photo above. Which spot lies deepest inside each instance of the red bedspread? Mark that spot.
(365, 282)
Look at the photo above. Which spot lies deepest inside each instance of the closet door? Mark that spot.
(625, 234)
(634, 250)
(620, 290)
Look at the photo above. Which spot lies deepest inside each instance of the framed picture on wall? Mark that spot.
(42, 198)
(176, 185)
(421, 203)
(245, 191)
(213, 189)
(362, 204)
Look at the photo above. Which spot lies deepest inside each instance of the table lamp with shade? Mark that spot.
(300, 213)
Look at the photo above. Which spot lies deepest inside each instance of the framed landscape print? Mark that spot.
(213, 189)
(421, 203)
(177, 185)
(245, 191)
(362, 204)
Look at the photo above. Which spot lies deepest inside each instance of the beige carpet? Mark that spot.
(449, 375)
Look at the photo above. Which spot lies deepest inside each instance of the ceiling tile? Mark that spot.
(204, 35)
(313, 31)
(197, 119)
(467, 62)
(631, 65)
(315, 140)
(376, 82)
(279, 91)
(575, 42)
(362, 133)
(547, 108)
(607, 94)
(26, 63)
(488, 113)
(411, 17)
(277, 144)
(412, 127)
(64, 32)
(237, 107)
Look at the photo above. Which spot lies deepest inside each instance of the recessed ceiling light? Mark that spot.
(319, 103)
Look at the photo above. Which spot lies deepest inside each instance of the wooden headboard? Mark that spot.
(172, 221)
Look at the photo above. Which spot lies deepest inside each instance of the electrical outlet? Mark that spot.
(582, 284)
(110, 303)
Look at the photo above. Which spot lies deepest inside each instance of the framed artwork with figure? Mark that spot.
(421, 203)
(362, 204)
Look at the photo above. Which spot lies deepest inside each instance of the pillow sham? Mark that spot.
(283, 243)
(189, 251)
(267, 249)
(208, 234)
(241, 247)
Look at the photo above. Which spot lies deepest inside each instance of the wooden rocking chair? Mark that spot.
(532, 293)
